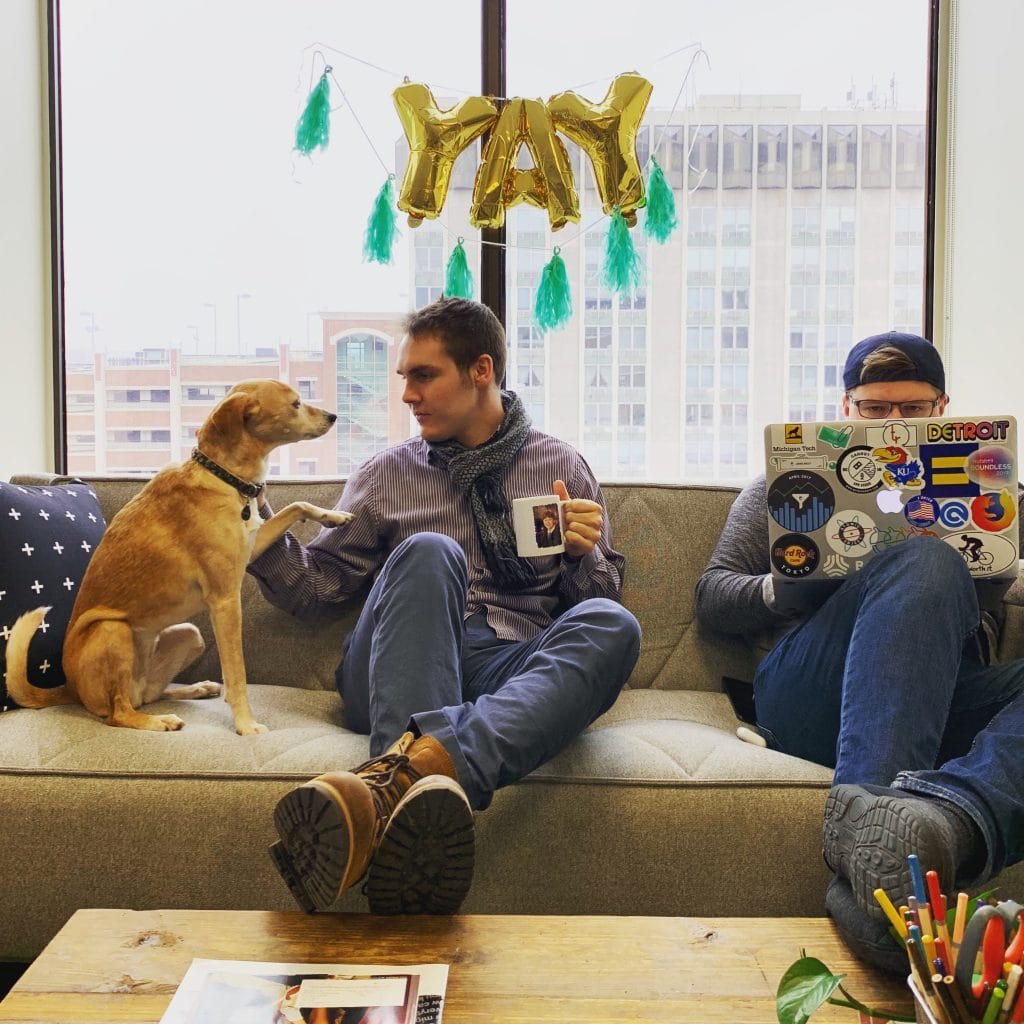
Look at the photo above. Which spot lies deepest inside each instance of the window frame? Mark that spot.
(493, 261)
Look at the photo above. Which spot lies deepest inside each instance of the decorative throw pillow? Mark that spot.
(47, 536)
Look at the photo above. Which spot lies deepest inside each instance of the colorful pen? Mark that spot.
(959, 923)
(890, 912)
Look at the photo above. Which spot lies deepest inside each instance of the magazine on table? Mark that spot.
(253, 992)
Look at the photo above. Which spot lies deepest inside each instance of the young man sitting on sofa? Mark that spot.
(890, 681)
(469, 666)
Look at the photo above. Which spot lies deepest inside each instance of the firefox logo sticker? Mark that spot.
(994, 510)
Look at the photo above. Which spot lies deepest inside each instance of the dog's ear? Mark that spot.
(226, 423)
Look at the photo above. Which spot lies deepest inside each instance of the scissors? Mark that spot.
(990, 930)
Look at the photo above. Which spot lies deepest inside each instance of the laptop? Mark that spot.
(838, 493)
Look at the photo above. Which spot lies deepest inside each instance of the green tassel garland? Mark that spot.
(314, 126)
(621, 269)
(553, 305)
(458, 281)
(380, 228)
(660, 220)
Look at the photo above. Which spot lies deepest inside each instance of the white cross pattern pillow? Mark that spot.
(47, 536)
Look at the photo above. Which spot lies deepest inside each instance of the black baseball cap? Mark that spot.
(920, 351)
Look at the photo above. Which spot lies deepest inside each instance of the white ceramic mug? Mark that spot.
(539, 523)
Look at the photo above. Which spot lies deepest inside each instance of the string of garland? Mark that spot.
(314, 127)
(621, 269)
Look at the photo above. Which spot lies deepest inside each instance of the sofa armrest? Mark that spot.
(1011, 637)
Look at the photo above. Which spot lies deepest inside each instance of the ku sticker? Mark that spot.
(984, 553)
(850, 533)
(795, 555)
(993, 511)
(921, 510)
(801, 501)
(898, 469)
(858, 471)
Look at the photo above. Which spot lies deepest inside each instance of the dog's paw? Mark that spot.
(206, 689)
(251, 729)
(334, 518)
(170, 723)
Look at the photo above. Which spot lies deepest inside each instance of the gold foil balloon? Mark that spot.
(607, 132)
(500, 184)
(435, 139)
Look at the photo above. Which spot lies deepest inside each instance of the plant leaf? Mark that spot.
(804, 987)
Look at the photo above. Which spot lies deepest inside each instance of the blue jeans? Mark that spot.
(500, 708)
(876, 685)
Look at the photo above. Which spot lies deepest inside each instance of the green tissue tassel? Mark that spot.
(621, 269)
(458, 281)
(660, 220)
(553, 306)
(380, 228)
(314, 126)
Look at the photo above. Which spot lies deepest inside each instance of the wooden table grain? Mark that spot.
(124, 966)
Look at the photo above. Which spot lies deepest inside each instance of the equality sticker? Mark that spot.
(801, 501)
(795, 555)
(993, 511)
(953, 513)
(858, 471)
(921, 510)
(945, 470)
(991, 466)
(850, 533)
(984, 553)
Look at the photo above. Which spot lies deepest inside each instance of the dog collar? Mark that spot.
(247, 490)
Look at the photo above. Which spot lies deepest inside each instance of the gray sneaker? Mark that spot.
(868, 939)
(870, 830)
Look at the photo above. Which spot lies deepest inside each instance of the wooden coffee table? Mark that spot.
(123, 965)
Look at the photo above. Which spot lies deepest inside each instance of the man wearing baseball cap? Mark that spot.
(890, 680)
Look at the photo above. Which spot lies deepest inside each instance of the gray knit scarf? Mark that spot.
(476, 472)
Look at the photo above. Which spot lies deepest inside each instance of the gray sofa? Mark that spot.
(658, 809)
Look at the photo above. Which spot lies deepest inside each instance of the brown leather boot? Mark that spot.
(406, 804)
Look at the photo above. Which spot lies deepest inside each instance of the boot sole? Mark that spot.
(315, 851)
(867, 838)
(424, 864)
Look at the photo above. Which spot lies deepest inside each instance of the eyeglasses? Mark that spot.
(872, 409)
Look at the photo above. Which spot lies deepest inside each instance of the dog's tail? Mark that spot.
(18, 686)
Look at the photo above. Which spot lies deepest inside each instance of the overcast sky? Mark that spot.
(182, 191)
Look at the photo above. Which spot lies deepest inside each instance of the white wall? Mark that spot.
(984, 301)
(981, 297)
(26, 434)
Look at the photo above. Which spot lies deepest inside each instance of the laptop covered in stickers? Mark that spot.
(840, 492)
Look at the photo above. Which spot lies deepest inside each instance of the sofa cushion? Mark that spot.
(47, 537)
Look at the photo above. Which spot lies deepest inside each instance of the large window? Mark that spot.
(200, 248)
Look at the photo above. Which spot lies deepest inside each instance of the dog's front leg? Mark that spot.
(226, 616)
(297, 512)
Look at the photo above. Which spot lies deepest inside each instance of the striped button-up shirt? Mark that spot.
(402, 491)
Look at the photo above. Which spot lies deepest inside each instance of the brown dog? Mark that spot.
(180, 545)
